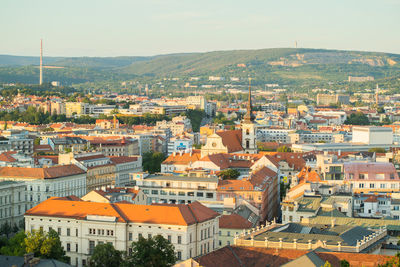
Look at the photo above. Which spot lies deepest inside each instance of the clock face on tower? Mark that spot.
(214, 144)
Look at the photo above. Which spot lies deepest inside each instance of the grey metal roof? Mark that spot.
(347, 235)
(309, 259)
(19, 262)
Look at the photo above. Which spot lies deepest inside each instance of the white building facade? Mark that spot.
(192, 229)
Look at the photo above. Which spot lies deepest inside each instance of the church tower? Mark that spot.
(249, 134)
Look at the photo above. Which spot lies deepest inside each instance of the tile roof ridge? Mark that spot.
(119, 211)
(191, 212)
(236, 256)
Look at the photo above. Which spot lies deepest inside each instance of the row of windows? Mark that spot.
(381, 186)
(364, 176)
(107, 232)
(180, 193)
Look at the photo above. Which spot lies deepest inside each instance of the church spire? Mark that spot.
(249, 116)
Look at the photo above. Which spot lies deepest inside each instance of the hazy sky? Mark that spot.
(149, 27)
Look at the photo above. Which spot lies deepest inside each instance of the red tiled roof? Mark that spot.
(123, 159)
(258, 178)
(235, 256)
(232, 140)
(234, 221)
(7, 156)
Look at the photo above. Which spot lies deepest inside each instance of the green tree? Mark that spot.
(344, 263)
(152, 252)
(195, 116)
(284, 149)
(105, 255)
(15, 246)
(5, 229)
(36, 141)
(395, 261)
(229, 174)
(45, 245)
(152, 161)
(377, 150)
(357, 118)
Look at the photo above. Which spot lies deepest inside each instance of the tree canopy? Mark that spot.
(152, 161)
(152, 252)
(45, 245)
(357, 118)
(229, 174)
(105, 255)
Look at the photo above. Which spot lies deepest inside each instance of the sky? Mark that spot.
(152, 27)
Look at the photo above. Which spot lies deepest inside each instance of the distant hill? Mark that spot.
(286, 65)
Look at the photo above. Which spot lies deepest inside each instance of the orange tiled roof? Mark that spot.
(41, 173)
(183, 159)
(154, 214)
(236, 185)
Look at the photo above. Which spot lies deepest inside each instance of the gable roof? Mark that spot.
(124, 212)
(184, 158)
(234, 221)
(231, 139)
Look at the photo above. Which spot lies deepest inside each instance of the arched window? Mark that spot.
(247, 143)
(247, 131)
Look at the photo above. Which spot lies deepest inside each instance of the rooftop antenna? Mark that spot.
(41, 63)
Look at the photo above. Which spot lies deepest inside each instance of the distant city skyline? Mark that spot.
(153, 27)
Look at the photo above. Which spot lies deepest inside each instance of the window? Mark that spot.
(383, 186)
(371, 185)
(169, 238)
(395, 207)
(190, 194)
(179, 256)
(363, 176)
(91, 247)
(179, 239)
(59, 230)
(68, 232)
(149, 236)
(228, 233)
(392, 176)
(210, 195)
(140, 235)
(351, 176)
(154, 192)
(130, 236)
(68, 247)
(76, 247)
(361, 185)
(200, 194)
